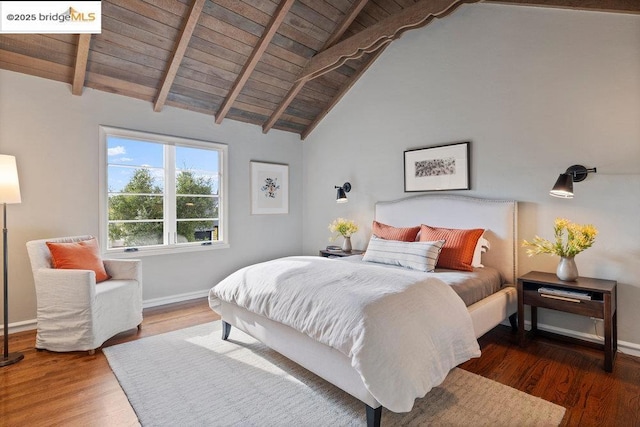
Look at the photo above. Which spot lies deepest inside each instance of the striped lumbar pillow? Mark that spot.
(421, 256)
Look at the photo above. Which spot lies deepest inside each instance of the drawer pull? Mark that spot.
(561, 298)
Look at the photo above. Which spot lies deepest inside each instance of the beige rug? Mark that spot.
(191, 377)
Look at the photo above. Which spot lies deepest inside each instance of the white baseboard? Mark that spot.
(25, 325)
(29, 325)
(175, 298)
(625, 347)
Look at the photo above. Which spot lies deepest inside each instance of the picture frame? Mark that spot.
(269, 188)
(438, 168)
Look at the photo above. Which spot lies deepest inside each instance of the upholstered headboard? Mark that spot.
(497, 217)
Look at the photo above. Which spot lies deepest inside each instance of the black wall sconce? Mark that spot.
(342, 193)
(564, 185)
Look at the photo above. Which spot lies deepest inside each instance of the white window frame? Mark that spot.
(168, 247)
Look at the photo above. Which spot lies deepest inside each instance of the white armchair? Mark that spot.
(76, 314)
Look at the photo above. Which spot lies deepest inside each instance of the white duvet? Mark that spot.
(403, 331)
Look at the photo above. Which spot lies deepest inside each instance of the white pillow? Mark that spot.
(422, 256)
(481, 246)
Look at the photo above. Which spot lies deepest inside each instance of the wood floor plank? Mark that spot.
(569, 375)
(76, 389)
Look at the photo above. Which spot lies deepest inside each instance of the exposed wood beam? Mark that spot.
(181, 48)
(277, 113)
(348, 19)
(345, 88)
(618, 6)
(258, 50)
(80, 70)
(378, 35)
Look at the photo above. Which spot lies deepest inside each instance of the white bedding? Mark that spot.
(402, 330)
(471, 286)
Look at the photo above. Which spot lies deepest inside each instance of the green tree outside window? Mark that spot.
(136, 216)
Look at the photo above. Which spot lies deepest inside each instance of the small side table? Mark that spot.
(602, 305)
(338, 254)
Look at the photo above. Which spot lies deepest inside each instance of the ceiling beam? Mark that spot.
(343, 91)
(277, 113)
(181, 48)
(258, 50)
(80, 70)
(618, 6)
(347, 20)
(378, 35)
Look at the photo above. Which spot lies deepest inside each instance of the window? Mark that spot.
(161, 193)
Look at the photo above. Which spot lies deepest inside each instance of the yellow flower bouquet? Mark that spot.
(343, 227)
(578, 238)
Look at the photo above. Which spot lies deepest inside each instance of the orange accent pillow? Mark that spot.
(457, 252)
(388, 232)
(83, 255)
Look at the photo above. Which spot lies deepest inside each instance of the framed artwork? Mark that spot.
(269, 188)
(438, 168)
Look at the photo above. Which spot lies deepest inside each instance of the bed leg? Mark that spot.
(374, 416)
(226, 330)
(514, 322)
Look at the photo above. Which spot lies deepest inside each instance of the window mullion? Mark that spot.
(171, 233)
(222, 161)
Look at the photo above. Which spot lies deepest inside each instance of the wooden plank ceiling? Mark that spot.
(276, 64)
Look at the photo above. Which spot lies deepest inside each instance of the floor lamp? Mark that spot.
(9, 193)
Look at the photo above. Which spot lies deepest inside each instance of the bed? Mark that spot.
(356, 369)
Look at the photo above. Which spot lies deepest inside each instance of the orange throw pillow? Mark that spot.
(83, 255)
(457, 252)
(388, 232)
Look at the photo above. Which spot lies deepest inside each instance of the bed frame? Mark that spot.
(498, 217)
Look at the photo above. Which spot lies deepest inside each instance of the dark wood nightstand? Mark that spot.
(338, 254)
(595, 298)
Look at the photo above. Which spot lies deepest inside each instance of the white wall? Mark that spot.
(535, 90)
(54, 136)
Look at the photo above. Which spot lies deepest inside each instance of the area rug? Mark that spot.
(191, 377)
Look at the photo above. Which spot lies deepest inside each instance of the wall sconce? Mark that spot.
(342, 193)
(564, 185)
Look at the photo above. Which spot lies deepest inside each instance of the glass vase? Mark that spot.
(346, 244)
(567, 269)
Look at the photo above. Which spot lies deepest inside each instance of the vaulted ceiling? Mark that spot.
(276, 64)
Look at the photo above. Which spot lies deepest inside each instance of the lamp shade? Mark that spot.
(341, 196)
(563, 187)
(9, 184)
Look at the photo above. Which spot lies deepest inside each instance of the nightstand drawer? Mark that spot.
(575, 306)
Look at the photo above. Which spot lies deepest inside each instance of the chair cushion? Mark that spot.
(83, 255)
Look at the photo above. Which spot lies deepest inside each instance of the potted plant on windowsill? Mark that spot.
(578, 238)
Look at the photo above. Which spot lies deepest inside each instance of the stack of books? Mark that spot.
(568, 294)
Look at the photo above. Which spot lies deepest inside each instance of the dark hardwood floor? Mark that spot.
(75, 389)
(569, 375)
